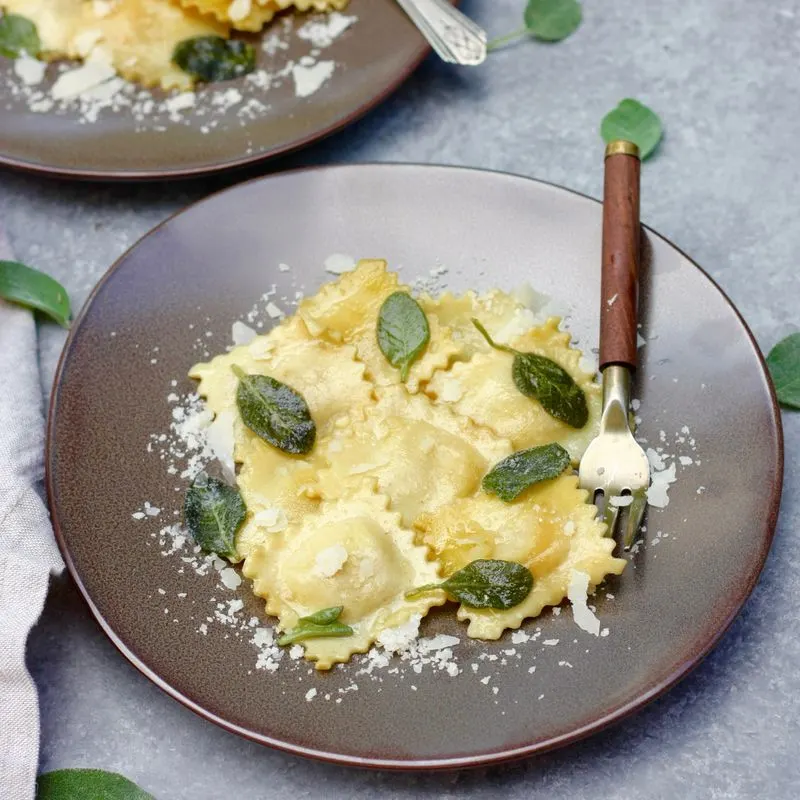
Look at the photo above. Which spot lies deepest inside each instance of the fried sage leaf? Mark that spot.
(321, 624)
(784, 366)
(212, 58)
(541, 378)
(275, 412)
(509, 478)
(485, 583)
(33, 289)
(18, 35)
(68, 784)
(214, 512)
(403, 331)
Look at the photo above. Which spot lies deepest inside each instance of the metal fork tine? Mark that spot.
(610, 517)
(635, 514)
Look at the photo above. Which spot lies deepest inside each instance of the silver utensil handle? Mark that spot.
(452, 35)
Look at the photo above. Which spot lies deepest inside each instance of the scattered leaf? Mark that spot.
(33, 289)
(513, 475)
(547, 20)
(485, 583)
(18, 35)
(403, 331)
(87, 784)
(275, 412)
(214, 512)
(321, 624)
(541, 378)
(784, 365)
(212, 58)
(633, 122)
(552, 20)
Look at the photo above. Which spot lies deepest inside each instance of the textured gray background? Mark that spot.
(723, 75)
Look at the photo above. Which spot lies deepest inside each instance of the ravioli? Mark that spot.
(551, 529)
(483, 390)
(135, 37)
(252, 15)
(390, 496)
(347, 311)
(373, 564)
(422, 456)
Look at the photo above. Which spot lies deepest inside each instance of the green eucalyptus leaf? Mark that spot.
(275, 412)
(485, 583)
(403, 331)
(18, 35)
(634, 122)
(541, 378)
(509, 478)
(214, 512)
(319, 625)
(212, 58)
(33, 289)
(87, 784)
(552, 20)
(784, 366)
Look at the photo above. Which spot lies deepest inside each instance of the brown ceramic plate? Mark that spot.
(189, 279)
(372, 58)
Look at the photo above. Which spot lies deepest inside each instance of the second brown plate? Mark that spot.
(705, 401)
(371, 59)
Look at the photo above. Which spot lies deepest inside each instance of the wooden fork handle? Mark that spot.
(619, 290)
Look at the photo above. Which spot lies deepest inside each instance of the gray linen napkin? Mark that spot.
(28, 552)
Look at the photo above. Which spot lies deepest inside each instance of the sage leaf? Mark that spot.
(541, 378)
(214, 512)
(562, 398)
(212, 58)
(552, 20)
(485, 583)
(33, 289)
(275, 412)
(403, 331)
(509, 478)
(86, 784)
(784, 366)
(18, 35)
(547, 20)
(321, 624)
(634, 122)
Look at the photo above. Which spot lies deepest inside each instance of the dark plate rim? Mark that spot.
(131, 176)
(739, 595)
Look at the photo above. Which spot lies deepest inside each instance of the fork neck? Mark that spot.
(616, 395)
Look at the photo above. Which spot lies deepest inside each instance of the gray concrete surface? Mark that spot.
(723, 75)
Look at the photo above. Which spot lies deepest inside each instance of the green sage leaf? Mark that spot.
(212, 58)
(552, 20)
(87, 784)
(33, 289)
(214, 512)
(541, 378)
(275, 412)
(562, 398)
(403, 331)
(485, 583)
(509, 478)
(634, 122)
(322, 624)
(18, 35)
(784, 366)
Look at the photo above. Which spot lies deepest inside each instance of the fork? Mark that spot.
(452, 35)
(614, 464)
